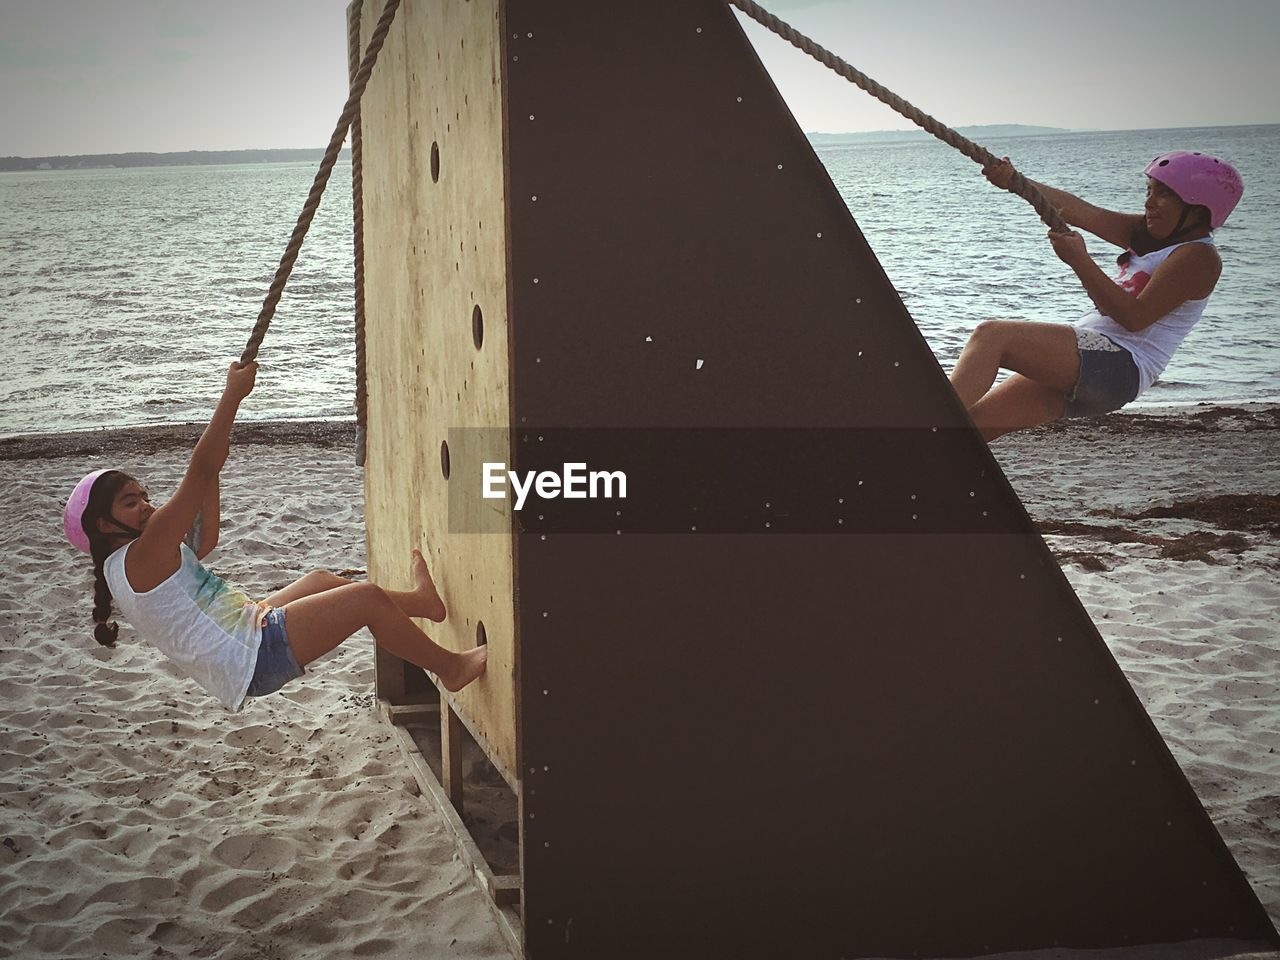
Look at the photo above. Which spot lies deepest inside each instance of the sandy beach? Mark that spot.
(138, 818)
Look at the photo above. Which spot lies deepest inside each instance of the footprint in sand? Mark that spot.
(166, 933)
(137, 890)
(233, 891)
(252, 852)
(373, 947)
(116, 938)
(307, 696)
(216, 788)
(258, 735)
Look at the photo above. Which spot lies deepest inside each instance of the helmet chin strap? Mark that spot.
(1182, 221)
(125, 529)
(1181, 228)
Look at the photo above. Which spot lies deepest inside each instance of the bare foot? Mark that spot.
(432, 606)
(467, 666)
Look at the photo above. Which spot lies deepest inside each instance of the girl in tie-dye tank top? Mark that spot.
(232, 646)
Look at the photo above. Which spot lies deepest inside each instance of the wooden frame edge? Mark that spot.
(501, 892)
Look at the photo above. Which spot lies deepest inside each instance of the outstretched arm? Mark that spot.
(1115, 228)
(209, 521)
(199, 486)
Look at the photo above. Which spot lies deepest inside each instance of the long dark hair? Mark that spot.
(101, 545)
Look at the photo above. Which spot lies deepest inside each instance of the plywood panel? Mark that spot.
(889, 738)
(434, 252)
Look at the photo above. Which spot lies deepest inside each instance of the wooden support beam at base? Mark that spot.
(451, 753)
(503, 892)
(488, 748)
(410, 713)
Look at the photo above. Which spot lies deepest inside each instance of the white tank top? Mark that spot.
(207, 627)
(1153, 347)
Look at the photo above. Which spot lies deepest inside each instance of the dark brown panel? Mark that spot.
(775, 743)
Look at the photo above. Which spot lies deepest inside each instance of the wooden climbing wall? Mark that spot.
(436, 321)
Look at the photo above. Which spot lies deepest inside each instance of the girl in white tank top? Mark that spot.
(1168, 271)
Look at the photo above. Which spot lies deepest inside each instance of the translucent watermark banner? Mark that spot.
(725, 481)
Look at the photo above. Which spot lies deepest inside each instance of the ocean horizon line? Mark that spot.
(211, 157)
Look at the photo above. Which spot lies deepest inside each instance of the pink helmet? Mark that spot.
(1198, 178)
(73, 513)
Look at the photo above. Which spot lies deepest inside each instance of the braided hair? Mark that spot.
(101, 546)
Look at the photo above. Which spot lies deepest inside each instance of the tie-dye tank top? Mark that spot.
(209, 628)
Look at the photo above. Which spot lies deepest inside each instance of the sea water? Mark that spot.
(125, 293)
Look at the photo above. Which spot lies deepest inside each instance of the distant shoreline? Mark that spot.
(183, 158)
(983, 131)
(994, 131)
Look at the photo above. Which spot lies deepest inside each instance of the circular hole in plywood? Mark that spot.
(444, 458)
(482, 638)
(435, 162)
(477, 326)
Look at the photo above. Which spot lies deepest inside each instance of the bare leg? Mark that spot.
(1043, 352)
(318, 623)
(317, 581)
(423, 601)
(1016, 404)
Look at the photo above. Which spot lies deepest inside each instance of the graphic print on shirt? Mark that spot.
(223, 604)
(1134, 284)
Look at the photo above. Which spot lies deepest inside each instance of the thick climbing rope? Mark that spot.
(357, 196)
(1019, 184)
(358, 84)
(349, 119)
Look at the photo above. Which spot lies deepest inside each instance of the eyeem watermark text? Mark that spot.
(574, 482)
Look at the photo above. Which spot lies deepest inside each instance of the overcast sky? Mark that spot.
(107, 76)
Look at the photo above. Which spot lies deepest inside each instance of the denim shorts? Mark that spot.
(276, 664)
(1108, 379)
